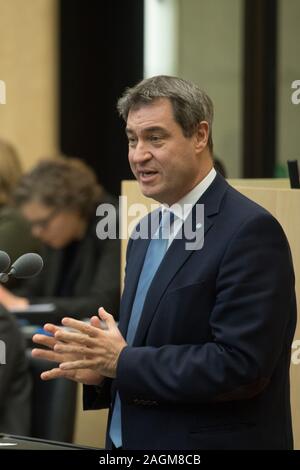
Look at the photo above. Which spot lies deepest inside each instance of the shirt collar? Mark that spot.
(183, 207)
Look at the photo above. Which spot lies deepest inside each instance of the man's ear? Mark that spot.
(201, 136)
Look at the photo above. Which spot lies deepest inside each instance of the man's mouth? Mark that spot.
(147, 175)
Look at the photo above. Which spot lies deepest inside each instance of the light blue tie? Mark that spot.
(155, 253)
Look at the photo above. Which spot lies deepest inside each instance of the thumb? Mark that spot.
(107, 317)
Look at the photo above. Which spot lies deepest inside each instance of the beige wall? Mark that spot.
(288, 141)
(28, 65)
(90, 426)
(210, 53)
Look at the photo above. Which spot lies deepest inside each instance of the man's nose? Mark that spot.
(140, 153)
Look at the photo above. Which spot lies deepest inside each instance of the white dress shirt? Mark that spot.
(183, 207)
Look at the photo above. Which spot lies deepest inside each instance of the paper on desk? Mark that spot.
(35, 308)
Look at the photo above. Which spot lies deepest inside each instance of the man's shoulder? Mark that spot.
(247, 215)
(239, 204)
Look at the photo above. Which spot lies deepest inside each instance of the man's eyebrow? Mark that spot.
(155, 129)
(148, 130)
(129, 131)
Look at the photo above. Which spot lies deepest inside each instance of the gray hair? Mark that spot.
(191, 105)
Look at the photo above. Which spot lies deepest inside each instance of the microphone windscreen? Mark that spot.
(4, 261)
(27, 265)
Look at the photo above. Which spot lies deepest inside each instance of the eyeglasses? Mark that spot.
(42, 223)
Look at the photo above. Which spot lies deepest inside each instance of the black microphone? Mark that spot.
(4, 261)
(28, 265)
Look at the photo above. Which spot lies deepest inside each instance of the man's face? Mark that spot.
(166, 164)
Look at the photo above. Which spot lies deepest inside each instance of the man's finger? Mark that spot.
(46, 354)
(81, 326)
(107, 317)
(81, 364)
(77, 338)
(95, 321)
(53, 374)
(73, 348)
(50, 328)
(44, 340)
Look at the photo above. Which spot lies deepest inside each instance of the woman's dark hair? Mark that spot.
(63, 183)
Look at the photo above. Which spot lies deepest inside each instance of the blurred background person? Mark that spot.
(15, 382)
(15, 235)
(15, 239)
(59, 198)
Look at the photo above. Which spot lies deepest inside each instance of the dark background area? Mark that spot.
(260, 84)
(101, 53)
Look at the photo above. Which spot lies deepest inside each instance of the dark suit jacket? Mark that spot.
(94, 277)
(15, 383)
(209, 366)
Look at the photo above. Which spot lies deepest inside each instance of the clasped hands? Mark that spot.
(86, 355)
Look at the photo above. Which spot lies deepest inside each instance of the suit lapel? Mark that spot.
(148, 226)
(175, 257)
(133, 270)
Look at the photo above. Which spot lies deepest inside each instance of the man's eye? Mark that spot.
(155, 138)
(131, 141)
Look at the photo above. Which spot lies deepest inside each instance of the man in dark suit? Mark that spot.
(200, 358)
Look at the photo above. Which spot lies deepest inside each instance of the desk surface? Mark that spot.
(10, 442)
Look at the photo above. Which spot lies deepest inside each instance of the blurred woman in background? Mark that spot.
(15, 380)
(15, 236)
(81, 273)
(15, 239)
